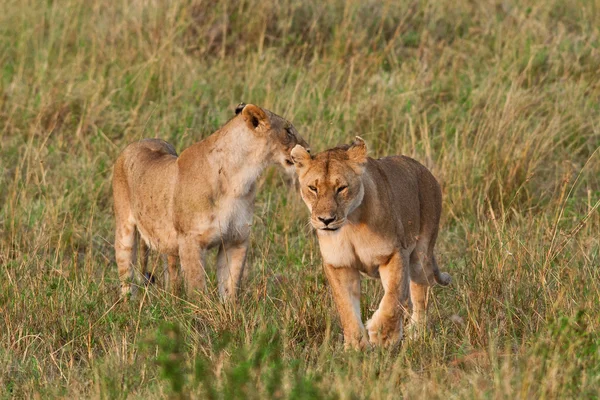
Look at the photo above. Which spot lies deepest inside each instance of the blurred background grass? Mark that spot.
(501, 99)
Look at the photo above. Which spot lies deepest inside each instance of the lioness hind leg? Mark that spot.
(419, 285)
(424, 273)
(125, 231)
(418, 293)
(420, 281)
(149, 278)
(125, 253)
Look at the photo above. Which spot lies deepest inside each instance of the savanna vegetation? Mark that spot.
(501, 99)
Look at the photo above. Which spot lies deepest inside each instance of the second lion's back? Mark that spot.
(414, 190)
(149, 160)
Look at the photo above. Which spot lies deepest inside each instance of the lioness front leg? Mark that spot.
(385, 326)
(192, 255)
(345, 286)
(173, 282)
(230, 267)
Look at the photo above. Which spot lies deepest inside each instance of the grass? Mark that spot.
(500, 99)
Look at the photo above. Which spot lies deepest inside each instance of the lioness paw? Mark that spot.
(383, 332)
(355, 344)
(127, 291)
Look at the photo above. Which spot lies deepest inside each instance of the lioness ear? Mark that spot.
(239, 108)
(358, 151)
(255, 117)
(300, 156)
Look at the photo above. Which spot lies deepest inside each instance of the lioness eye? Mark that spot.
(312, 188)
(342, 188)
(288, 130)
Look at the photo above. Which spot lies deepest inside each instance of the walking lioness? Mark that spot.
(183, 206)
(379, 218)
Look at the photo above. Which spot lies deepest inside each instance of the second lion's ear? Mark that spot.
(239, 108)
(255, 117)
(300, 156)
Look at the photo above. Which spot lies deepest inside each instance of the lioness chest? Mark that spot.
(356, 247)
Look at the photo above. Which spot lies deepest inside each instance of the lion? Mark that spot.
(182, 206)
(378, 218)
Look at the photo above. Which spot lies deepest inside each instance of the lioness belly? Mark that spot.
(229, 223)
(372, 274)
(155, 224)
(162, 239)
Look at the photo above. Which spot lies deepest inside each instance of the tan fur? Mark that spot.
(184, 205)
(377, 218)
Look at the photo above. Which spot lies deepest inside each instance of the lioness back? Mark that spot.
(414, 191)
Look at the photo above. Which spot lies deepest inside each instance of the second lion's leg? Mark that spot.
(418, 291)
(385, 326)
(418, 295)
(125, 253)
(230, 267)
(171, 273)
(424, 273)
(144, 254)
(173, 282)
(192, 255)
(345, 287)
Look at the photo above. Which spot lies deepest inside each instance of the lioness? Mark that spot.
(183, 206)
(375, 217)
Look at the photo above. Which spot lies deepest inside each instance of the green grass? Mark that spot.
(500, 99)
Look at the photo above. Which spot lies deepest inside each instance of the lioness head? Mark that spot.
(330, 183)
(278, 135)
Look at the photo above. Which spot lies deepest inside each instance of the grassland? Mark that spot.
(501, 99)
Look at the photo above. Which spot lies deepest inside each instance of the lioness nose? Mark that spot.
(326, 220)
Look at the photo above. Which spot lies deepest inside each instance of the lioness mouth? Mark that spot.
(330, 229)
(289, 162)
